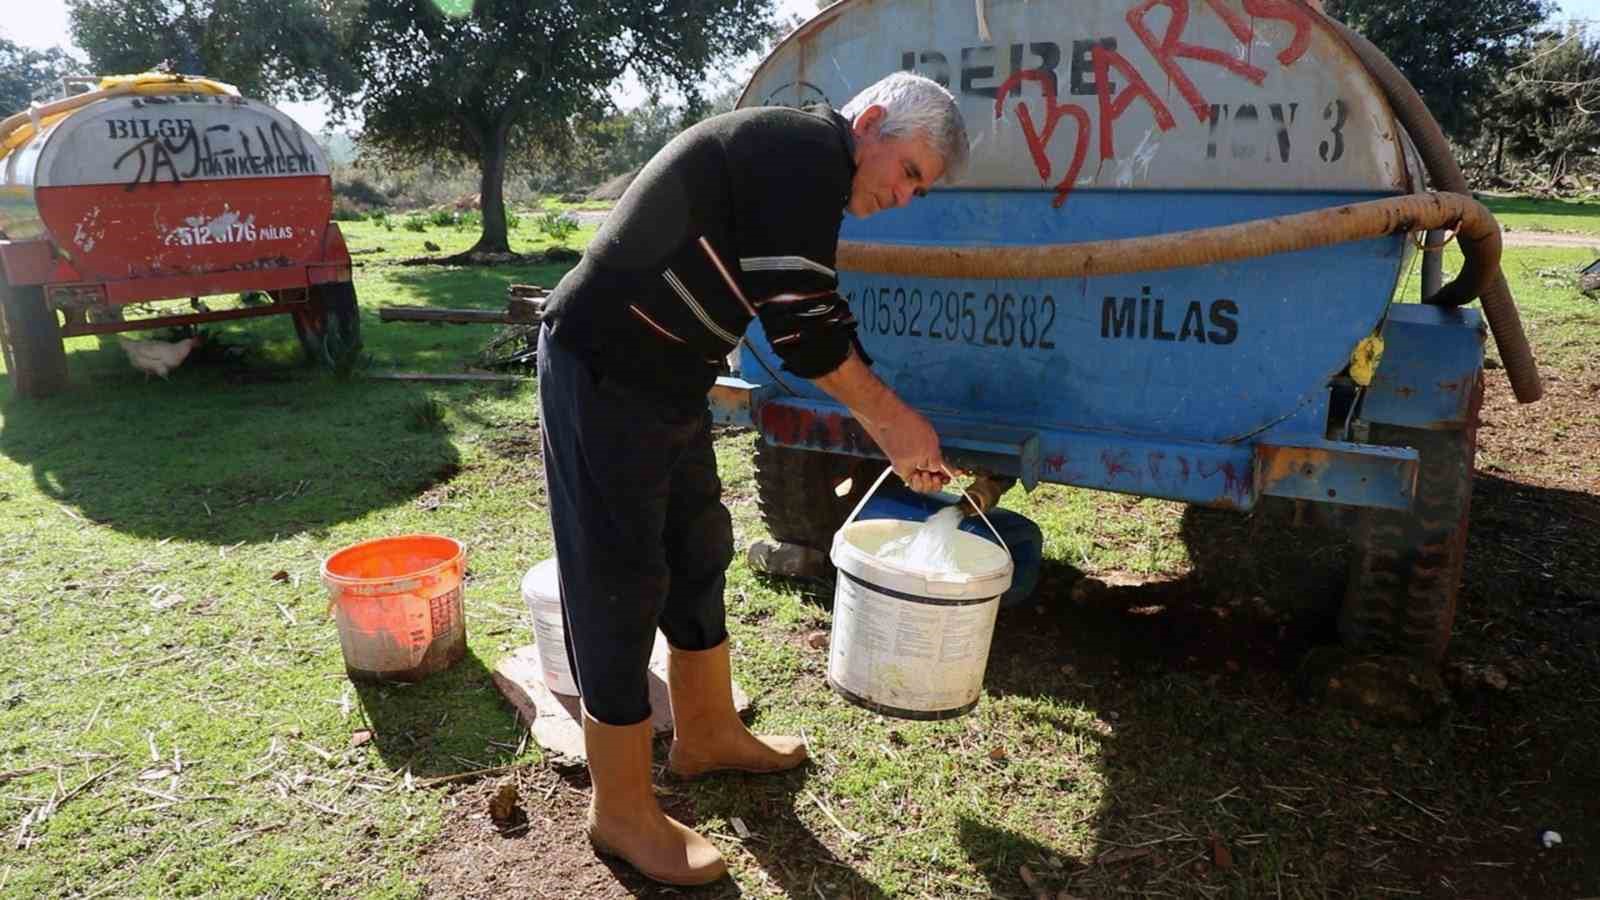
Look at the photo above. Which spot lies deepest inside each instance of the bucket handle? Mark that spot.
(885, 474)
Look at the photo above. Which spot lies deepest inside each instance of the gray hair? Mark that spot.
(915, 106)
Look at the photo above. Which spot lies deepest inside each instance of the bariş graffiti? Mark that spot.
(1096, 67)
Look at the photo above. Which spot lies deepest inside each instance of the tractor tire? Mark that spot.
(795, 492)
(35, 355)
(1405, 570)
(329, 327)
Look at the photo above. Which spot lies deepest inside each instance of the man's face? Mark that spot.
(889, 171)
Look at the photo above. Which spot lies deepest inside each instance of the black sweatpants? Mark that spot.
(642, 537)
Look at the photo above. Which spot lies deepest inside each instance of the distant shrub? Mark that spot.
(359, 190)
(381, 218)
(559, 227)
(415, 222)
(444, 218)
(346, 211)
(513, 221)
(471, 219)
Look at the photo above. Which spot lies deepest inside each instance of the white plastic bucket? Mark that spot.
(908, 643)
(541, 590)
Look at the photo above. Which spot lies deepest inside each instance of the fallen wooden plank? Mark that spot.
(525, 290)
(429, 314)
(440, 376)
(524, 310)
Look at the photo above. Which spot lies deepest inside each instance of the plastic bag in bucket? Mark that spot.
(397, 602)
(910, 643)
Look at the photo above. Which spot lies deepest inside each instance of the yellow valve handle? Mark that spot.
(1364, 361)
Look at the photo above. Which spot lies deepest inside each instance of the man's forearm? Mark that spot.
(901, 432)
(854, 385)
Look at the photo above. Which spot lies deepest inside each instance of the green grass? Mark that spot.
(1561, 323)
(549, 203)
(1541, 214)
(144, 521)
(144, 526)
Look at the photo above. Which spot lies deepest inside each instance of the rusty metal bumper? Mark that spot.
(1228, 475)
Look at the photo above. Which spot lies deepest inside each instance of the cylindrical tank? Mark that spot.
(169, 184)
(1118, 119)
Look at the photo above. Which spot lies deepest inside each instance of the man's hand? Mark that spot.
(902, 433)
(912, 447)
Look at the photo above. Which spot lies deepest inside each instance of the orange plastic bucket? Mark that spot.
(397, 601)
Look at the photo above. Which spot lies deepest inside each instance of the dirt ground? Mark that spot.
(1536, 508)
(1547, 239)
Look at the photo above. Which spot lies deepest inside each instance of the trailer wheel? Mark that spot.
(795, 492)
(1405, 572)
(329, 327)
(35, 355)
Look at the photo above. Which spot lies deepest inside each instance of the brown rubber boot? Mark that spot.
(625, 820)
(707, 733)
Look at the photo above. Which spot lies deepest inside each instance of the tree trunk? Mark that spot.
(1558, 169)
(1500, 154)
(492, 197)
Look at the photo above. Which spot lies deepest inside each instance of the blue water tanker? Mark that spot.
(1170, 270)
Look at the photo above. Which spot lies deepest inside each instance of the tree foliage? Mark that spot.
(1456, 53)
(282, 50)
(23, 71)
(514, 75)
(1549, 110)
(617, 143)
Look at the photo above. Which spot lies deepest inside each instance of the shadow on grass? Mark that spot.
(1192, 678)
(1535, 206)
(1001, 854)
(1260, 592)
(795, 861)
(228, 453)
(443, 724)
(1266, 587)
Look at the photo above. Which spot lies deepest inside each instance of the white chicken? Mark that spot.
(158, 357)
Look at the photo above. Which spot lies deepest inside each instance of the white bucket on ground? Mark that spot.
(541, 590)
(908, 643)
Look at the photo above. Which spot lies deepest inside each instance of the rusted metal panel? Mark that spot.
(1113, 94)
(206, 227)
(1431, 361)
(966, 443)
(335, 259)
(26, 262)
(1336, 472)
(245, 312)
(1215, 475)
(162, 288)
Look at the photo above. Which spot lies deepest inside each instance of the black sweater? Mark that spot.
(736, 217)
